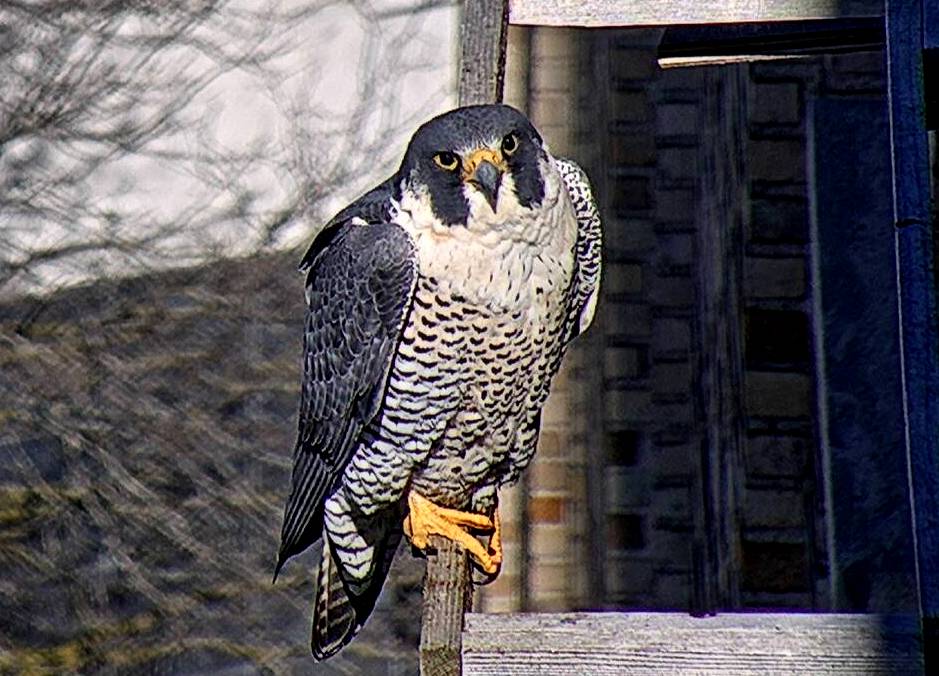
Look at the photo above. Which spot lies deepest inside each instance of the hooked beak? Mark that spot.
(487, 179)
(483, 169)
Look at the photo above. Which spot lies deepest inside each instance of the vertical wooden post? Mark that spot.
(448, 585)
(484, 32)
(906, 37)
(448, 596)
(719, 329)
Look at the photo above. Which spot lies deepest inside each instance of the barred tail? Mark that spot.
(338, 613)
(334, 618)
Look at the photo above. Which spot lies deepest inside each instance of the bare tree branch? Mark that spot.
(95, 96)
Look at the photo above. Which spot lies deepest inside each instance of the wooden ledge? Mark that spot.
(676, 643)
(600, 13)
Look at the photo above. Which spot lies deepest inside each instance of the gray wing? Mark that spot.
(589, 246)
(359, 290)
(373, 207)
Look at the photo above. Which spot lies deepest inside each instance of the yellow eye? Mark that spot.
(447, 161)
(509, 144)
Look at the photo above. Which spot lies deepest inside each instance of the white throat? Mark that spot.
(495, 256)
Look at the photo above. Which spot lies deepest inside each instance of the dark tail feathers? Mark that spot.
(339, 614)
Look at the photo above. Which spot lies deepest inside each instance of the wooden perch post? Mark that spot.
(448, 585)
(448, 596)
(484, 32)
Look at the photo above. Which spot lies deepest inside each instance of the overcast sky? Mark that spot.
(394, 66)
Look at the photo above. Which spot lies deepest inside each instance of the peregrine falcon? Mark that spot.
(439, 306)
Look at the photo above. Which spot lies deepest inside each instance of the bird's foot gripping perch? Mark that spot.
(426, 519)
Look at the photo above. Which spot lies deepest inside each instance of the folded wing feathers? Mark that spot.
(359, 290)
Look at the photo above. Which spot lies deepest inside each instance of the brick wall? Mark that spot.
(606, 515)
(649, 300)
(608, 495)
(545, 516)
(783, 516)
(778, 381)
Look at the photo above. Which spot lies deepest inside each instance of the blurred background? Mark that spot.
(727, 436)
(162, 165)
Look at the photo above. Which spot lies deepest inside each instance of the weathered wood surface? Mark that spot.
(655, 643)
(715, 44)
(674, 12)
(448, 585)
(484, 32)
(718, 484)
(916, 261)
(448, 596)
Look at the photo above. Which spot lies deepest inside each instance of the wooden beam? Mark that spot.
(448, 596)
(719, 342)
(674, 12)
(913, 232)
(732, 43)
(484, 32)
(448, 584)
(653, 643)
(931, 24)
(931, 62)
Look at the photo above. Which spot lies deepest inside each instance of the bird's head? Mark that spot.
(477, 162)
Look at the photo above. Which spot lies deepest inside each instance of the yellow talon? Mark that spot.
(495, 540)
(425, 519)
